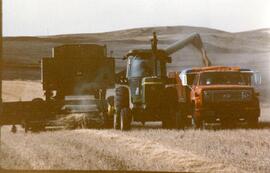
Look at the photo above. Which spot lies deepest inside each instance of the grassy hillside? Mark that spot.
(249, 49)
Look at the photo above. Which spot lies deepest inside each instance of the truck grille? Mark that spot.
(227, 95)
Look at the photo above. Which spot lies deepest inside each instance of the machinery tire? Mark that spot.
(110, 100)
(125, 119)
(121, 97)
(197, 123)
(116, 121)
(38, 102)
(168, 119)
(121, 102)
(171, 110)
(180, 121)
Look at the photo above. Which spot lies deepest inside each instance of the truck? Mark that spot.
(143, 92)
(217, 94)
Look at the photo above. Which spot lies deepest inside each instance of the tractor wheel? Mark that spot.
(122, 97)
(171, 112)
(180, 119)
(125, 119)
(121, 102)
(253, 122)
(116, 121)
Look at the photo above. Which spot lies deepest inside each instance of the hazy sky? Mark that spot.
(49, 17)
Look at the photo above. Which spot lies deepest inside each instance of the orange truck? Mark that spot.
(217, 94)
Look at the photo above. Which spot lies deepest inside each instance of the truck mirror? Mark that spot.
(256, 78)
(183, 78)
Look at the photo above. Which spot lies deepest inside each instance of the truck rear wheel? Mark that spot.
(122, 105)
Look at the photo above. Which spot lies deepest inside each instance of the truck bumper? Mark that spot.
(220, 114)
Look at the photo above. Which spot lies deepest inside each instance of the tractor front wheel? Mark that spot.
(122, 114)
(116, 121)
(125, 118)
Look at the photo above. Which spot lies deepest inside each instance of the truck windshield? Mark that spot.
(223, 78)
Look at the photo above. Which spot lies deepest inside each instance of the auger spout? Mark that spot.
(193, 39)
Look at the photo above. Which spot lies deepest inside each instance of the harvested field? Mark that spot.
(149, 148)
(140, 149)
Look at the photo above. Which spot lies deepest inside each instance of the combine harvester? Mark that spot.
(75, 80)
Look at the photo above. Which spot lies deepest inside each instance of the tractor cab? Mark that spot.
(145, 62)
(145, 67)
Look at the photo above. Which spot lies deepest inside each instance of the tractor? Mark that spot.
(143, 92)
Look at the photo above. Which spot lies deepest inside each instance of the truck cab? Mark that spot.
(219, 94)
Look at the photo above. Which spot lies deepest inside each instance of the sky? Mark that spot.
(53, 17)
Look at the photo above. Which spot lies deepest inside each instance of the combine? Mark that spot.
(75, 80)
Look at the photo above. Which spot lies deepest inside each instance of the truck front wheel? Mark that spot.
(197, 122)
